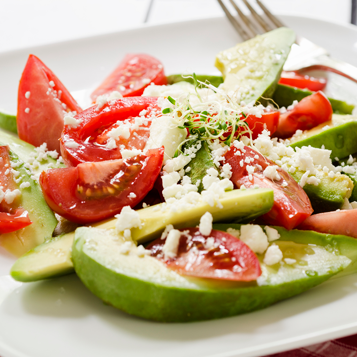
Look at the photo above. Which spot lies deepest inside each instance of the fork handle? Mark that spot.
(326, 63)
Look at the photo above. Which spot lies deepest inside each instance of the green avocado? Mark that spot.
(145, 287)
(329, 194)
(338, 135)
(252, 69)
(53, 257)
(200, 164)
(214, 80)
(285, 96)
(43, 219)
(8, 122)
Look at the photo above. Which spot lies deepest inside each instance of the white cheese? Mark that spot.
(127, 219)
(206, 224)
(126, 154)
(271, 233)
(273, 255)
(171, 245)
(254, 236)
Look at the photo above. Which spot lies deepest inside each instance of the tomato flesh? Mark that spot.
(294, 79)
(91, 135)
(268, 121)
(308, 113)
(132, 76)
(337, 222)
(291, 204)
(228, 258)
(42, 101)
(97, 190)
(12, 218)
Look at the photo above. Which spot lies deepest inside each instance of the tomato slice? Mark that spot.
(98, 190)
(224, 258)
(12, 217)
(88, 140)
(42, 101)
(132, 76)
(291, 204)
(308, 113)
(294, 79)
(337, 222)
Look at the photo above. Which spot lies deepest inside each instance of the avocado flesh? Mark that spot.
(285, 96)
(44, 262)
(200, 164)
(329, 194)
(176, 78)
(8, 122)
(252, 68)
(340, 137)
(43, 219)
(145, 287)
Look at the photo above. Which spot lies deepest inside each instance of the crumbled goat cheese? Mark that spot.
(289, 261)
(126, 247)
(166, 231)
(273, 255)
(272, 233)
(255, 238)
(25, 185)
(233, 232)
(127, 219)
(70, 120)
(71, 144)
(27, 95)
(272, 173)
(27, 110)
(206, 224)
(226, 171)
(171, 245)
(126, 154)
(10, 196)
(142, 252)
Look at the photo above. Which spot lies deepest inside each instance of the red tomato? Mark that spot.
(132, 76)
(228, 258)
(42, 101)
(97, 190)
(308, 113)
(337, 222)
(91, 134)
(12, 217)
(294, 79)
(268, 120)
(291, 204)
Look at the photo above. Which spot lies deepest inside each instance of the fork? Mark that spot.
(304, 55)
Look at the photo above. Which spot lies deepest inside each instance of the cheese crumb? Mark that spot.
(27, 95)
(254, 237)
(271, 233)
(206, 224)
(127, 219)
(273, 255)
(27, 110)
(171, 245)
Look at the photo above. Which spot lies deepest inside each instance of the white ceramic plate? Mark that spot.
(61, 318)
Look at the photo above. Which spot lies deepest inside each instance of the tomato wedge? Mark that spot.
(12, 217)
(42, 102)
(337, 222)
(132, 76)
(291, 204)
(88, 140)
(268, 120)
(224, 258)
(308, 113)
(295, 79)
(97, 190)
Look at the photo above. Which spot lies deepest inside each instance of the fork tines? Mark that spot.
(248, 28)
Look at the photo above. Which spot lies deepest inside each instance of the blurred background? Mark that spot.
(26, 23)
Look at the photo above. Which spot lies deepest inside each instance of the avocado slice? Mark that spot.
(338, 135)
(8, 122)
(200, 164)
(176, 78)
(145, 287)
(252, 68)
(43, 219)
(53, 258)
(285, 96)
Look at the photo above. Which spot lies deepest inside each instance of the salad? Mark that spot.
(218, 198)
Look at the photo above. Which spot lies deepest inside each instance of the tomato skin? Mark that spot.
(336, 222)
(92, 124)
(11, 222)
(132, 76)
(291, 204)
(294, 79)
(214, 262)
(268, 120)
(65, 189)
(40, 116)
(308, 113)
